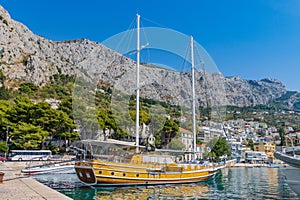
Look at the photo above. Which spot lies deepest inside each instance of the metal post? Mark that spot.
(6, 140)
(137, 84)
(193, 96)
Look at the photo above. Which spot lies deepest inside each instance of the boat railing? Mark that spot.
(51, 163)
(291, 149)
(112, 158)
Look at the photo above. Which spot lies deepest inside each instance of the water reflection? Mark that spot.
(185, 191)
(232, 183)
(251, 183)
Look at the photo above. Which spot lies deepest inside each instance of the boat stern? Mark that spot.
(85, 173)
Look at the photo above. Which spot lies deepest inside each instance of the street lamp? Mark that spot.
(6, 140)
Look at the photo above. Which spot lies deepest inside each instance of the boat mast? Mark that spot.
(137, 119)
(193, 96)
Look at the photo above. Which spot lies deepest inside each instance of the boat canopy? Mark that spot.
(157, 159)
(110, 141)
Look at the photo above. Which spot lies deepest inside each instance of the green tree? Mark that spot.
(220, 148)
(64, 126)
(169, 131)
(66, 106)
(121, 117)
(3, 147)
(20, 110)
(28, 88)
(212, 154)
(69, 137)
(282, 136)
(157, 123)
(86, 119)
(250, 144)
(198, 141)
(27, 136)
(5, 108)
(118, 123)
(4, 93)
(176, 144)
(56, 122)
(144, 116)
(2, 77)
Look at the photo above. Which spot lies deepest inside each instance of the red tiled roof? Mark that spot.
(182, 130)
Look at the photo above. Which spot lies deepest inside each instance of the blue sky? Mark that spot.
(253, 39)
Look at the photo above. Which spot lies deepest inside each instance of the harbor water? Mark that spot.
(230, 183)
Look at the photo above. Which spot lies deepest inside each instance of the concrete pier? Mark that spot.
(20, 187)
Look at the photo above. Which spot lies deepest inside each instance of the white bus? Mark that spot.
(30, 155)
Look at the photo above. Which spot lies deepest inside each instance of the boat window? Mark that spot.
(100, 172)
(88, 175)
(124, 174)
(112, 173)
(137, 175)
(80, 174)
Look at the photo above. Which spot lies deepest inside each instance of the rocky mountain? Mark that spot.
(25, 56)
(290, 100)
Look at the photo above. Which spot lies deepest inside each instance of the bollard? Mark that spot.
(1, 177)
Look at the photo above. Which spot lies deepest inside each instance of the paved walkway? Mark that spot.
(16, 186)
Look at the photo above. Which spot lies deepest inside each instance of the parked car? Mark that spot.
(2, 159)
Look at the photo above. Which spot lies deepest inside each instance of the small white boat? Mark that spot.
(290, 155)
(52, 168)
(292, 177)
(292, 160)
(273, 166)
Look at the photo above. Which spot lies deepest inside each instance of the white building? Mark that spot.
(207, 133)
(186, 138)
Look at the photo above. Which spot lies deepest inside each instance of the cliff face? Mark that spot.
(25, 56)
(252, 92)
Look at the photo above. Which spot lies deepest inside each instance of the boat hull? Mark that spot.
(121, 175)
(292, 177)
(292, 161)
(291, 172)
(69, 169)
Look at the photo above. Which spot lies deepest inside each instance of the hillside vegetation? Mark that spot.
(30, 121)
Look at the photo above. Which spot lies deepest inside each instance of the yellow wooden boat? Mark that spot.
(145, 169)
(142, 170)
